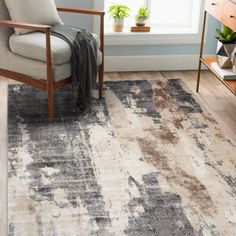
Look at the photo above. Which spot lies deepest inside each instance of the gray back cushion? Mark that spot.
(34, 12)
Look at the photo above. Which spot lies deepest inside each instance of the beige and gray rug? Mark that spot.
(146, 160)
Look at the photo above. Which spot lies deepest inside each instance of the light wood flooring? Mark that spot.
(213, 97)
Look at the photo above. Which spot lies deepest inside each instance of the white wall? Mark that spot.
(114, 53)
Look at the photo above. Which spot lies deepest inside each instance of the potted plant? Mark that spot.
(142, 16)
(225, 47)
(118, 13)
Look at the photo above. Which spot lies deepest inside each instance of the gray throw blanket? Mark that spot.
(83, 61)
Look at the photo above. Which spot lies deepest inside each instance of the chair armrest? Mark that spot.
(89, 12)
(12, 24)
(81, 11)
(42, 28)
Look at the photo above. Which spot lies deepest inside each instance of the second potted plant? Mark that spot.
(118, 13)
(225, 47)
(142, 16)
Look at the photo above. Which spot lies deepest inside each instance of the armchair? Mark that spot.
(47, 74)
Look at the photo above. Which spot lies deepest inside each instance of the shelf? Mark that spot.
(230, 84)
(223, 11)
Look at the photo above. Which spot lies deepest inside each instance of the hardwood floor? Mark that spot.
(213, 97)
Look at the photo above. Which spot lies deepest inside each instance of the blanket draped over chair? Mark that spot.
(83, 60)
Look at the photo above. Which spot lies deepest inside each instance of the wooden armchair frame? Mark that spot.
(50, 85)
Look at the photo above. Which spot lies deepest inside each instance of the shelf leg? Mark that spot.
(199, 75)
(201, 51)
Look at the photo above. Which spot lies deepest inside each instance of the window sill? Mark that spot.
(157, 37)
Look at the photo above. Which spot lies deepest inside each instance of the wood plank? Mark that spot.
(214, 7)
(42, 84)
(230, 84)
(229, 14)
(80, 10)
(222, 10)
(62, 83)
(12, 24)
(140, 29)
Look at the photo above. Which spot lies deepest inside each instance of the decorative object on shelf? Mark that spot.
(140, 29)
(225, 47)
(225, 74)
(142, 16)
(233, 60)
(224, 11)
(118, 13)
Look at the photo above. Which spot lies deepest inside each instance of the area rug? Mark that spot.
(145, 160)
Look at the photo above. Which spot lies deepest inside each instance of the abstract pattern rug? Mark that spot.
(145, 160)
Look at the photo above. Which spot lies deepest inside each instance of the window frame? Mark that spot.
(172, 37)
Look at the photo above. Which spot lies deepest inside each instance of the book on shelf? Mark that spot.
(140, 29)
(225, 74)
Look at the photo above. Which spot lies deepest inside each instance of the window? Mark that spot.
(165, 14)
(172, 22)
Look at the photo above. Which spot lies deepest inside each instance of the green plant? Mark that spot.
(143, 14)
(227, 36)
(118, 11)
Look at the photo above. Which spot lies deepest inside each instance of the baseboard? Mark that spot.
(151, 63)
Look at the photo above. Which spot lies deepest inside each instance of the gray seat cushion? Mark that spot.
(33, 46)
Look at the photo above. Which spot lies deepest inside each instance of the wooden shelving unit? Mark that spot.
(224, 11)
(230, 84)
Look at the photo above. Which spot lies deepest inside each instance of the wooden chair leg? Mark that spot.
(51, 104)
(101, 76)
(50, 77)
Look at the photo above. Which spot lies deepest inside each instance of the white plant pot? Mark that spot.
(118, 25)
(224, 55)
(141, 22)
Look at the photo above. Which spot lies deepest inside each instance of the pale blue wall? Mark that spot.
(82, 21)
(87, 22)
